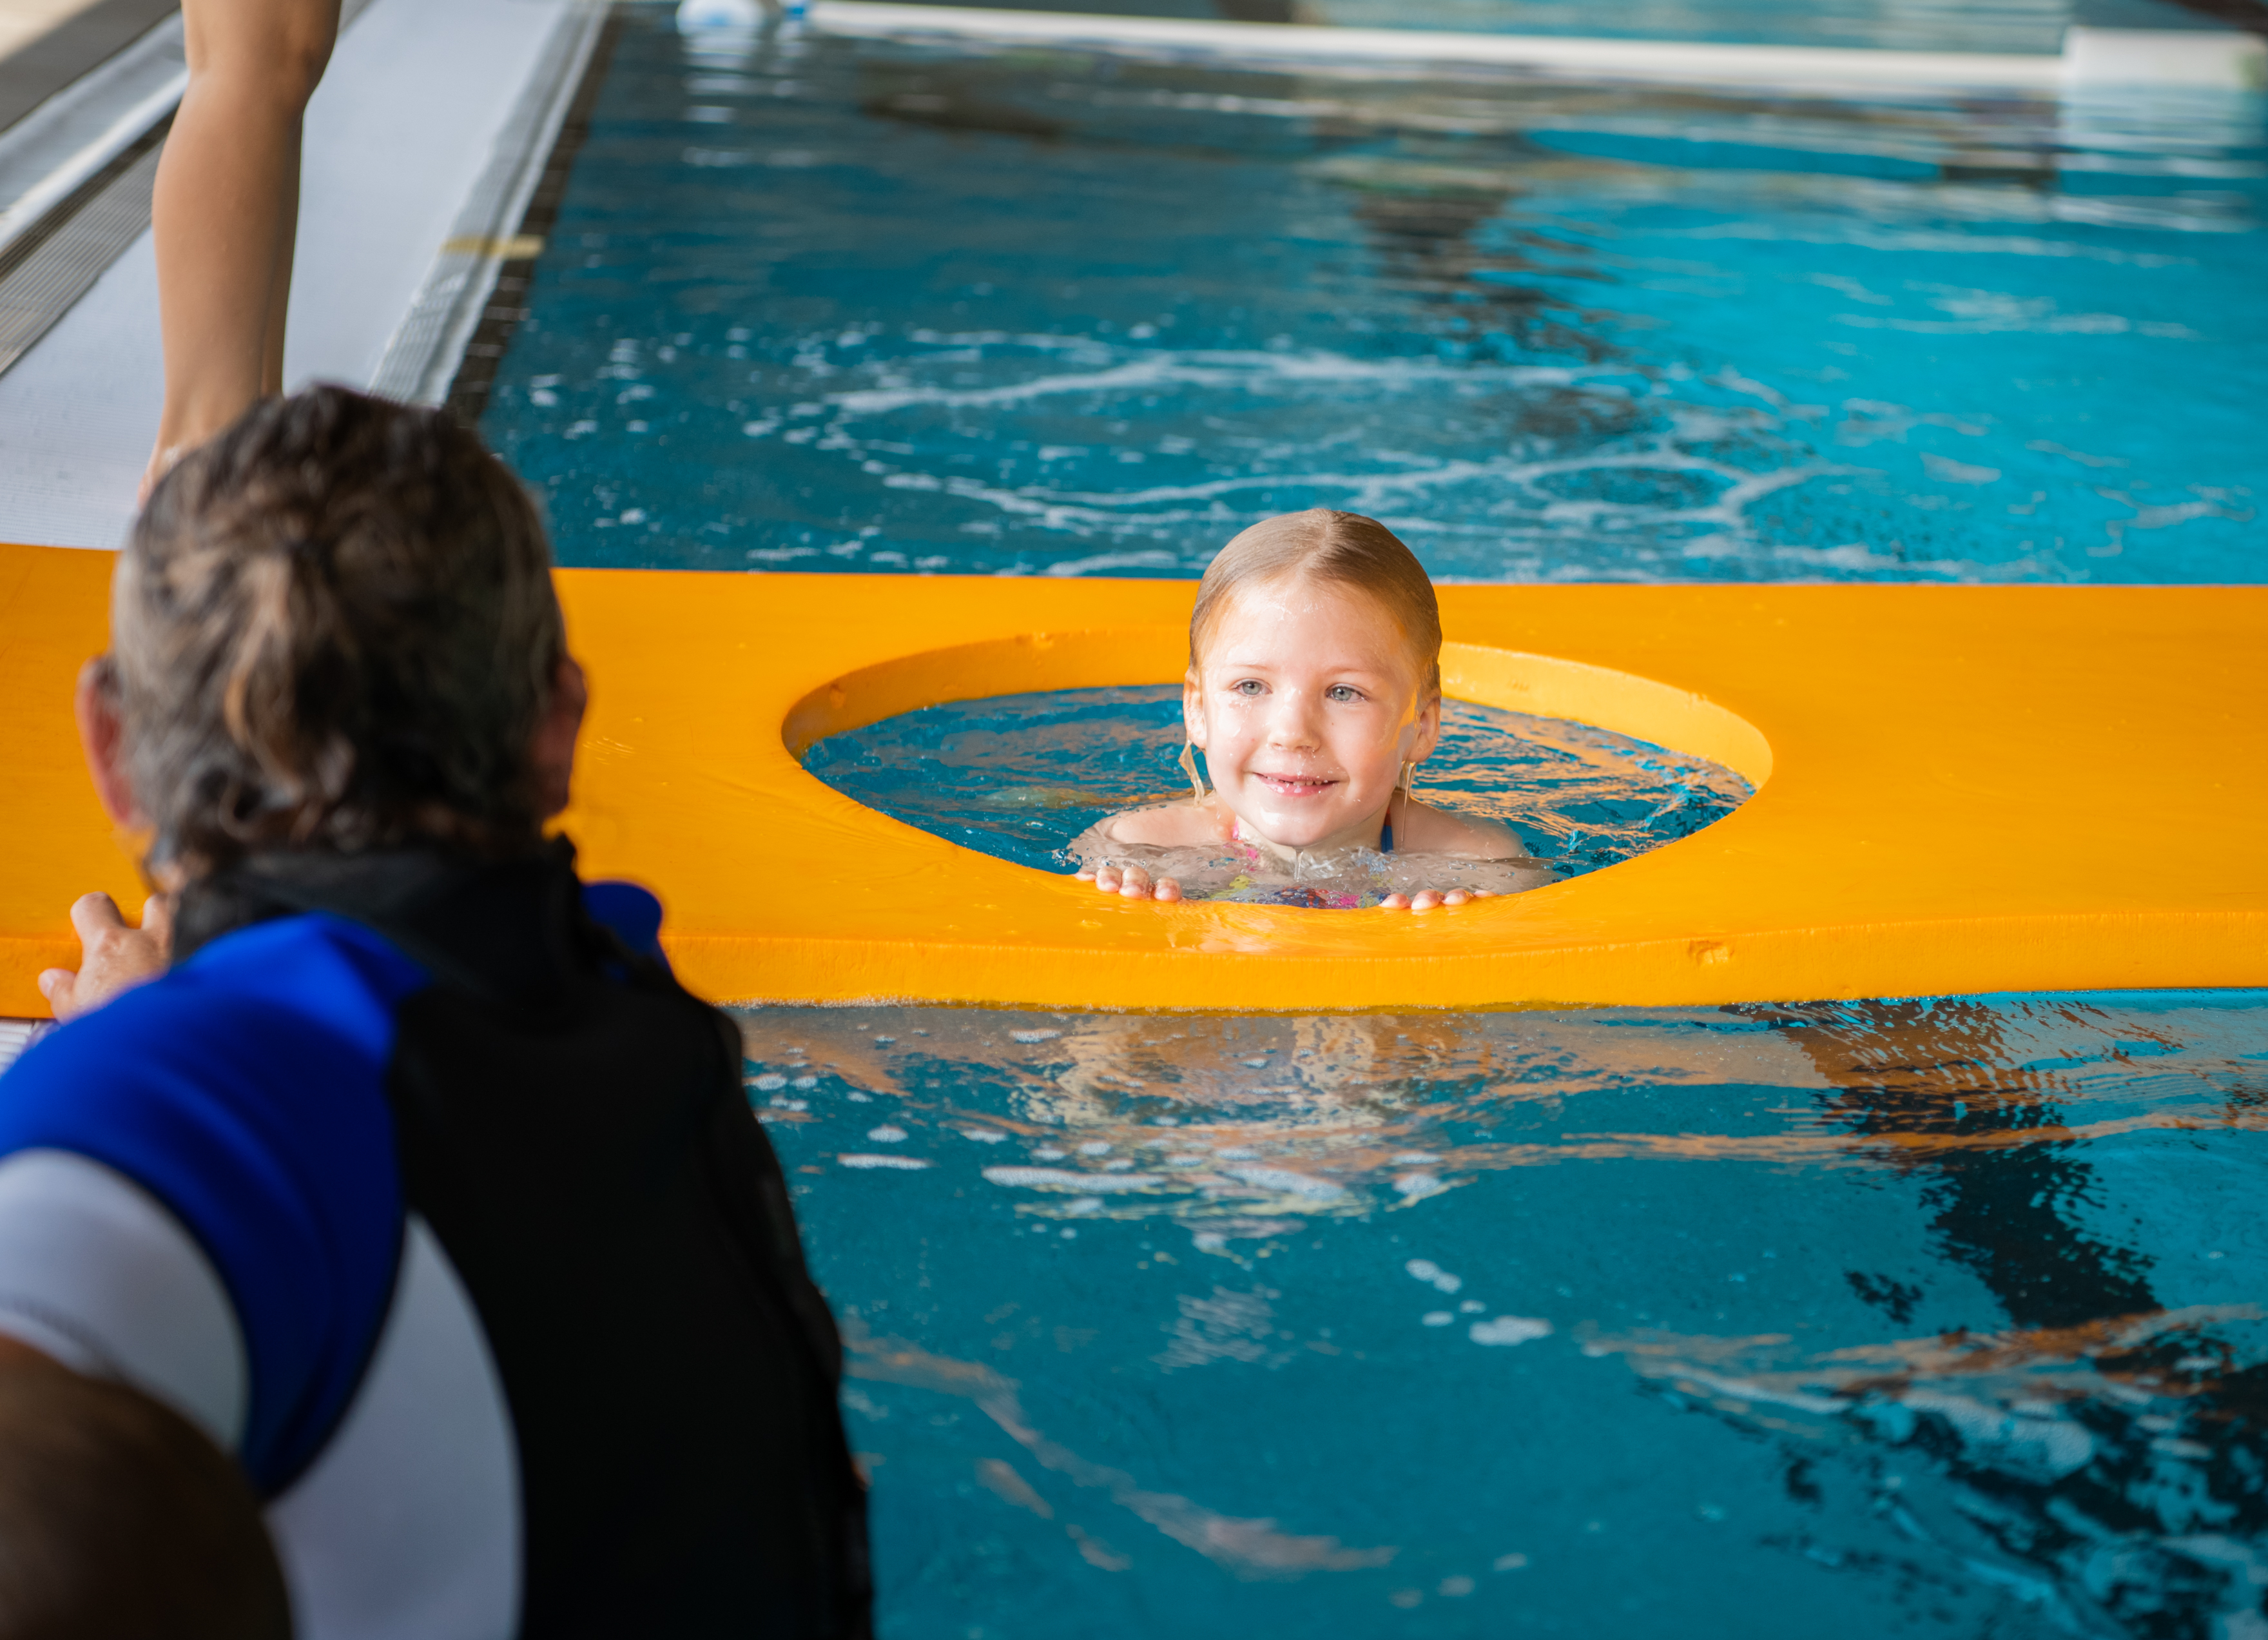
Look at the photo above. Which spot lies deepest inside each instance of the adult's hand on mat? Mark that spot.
(1429, 899)
(1132, 883)
(116, 956)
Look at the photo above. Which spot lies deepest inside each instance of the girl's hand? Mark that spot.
(1428, 899)
(1132, 883)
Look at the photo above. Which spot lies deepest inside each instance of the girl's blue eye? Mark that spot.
(1343, 693)
(1247, 686)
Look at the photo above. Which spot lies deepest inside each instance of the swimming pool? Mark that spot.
(1896, 1318)
(826, 304)
(1883, 1318)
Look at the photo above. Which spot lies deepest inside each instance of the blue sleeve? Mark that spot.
(246, 1091)
(632, 912)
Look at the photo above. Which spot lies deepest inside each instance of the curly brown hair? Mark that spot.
(334, 627)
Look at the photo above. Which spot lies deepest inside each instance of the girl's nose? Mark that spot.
(1292, 724)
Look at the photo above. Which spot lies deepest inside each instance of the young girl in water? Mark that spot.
(1313, 692)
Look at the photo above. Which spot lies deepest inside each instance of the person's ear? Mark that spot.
(1193, 718)
(554, 753)
(102, 736)
(1428, 730)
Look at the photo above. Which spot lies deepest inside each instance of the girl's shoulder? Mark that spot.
(1420, 828)
(1163, 825)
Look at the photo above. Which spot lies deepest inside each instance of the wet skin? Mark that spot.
(1306, 703)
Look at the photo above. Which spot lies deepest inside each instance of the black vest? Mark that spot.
(571, 1123)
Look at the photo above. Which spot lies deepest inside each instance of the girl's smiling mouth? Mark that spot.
(1295, 785)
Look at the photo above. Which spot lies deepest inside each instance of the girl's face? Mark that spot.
(1306, 703)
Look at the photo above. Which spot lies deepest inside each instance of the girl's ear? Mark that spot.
(1428, 730)
(1193, 718)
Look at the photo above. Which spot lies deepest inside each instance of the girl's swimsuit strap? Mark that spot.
(1386, 837)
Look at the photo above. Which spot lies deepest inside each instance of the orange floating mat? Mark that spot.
(1960, 789)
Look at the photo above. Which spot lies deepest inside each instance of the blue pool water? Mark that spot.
(816, 305)
(1935, 1319)
(1891, 1318)
(1020, 776)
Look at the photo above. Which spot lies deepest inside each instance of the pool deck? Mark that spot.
(397, 139)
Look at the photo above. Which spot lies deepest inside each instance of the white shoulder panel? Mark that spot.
(407, 1526)
(96, 1271)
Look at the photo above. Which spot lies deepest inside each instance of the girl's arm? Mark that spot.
(1183, 824)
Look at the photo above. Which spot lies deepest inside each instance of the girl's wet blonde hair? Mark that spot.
(1342, 548)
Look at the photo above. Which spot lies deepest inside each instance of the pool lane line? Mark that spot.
(2192, 59)
(492, 230)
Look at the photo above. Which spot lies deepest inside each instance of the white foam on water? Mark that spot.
(1064, 1178)
(1509, 1329)
(1289, 1183)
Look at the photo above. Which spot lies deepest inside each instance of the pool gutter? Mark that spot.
(2200, 59)
(424, 357)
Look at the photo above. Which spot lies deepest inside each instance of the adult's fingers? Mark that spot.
(158, 921)
(93, 915)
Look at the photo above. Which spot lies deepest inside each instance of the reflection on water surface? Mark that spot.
(1862, 1319)
(817, 305)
